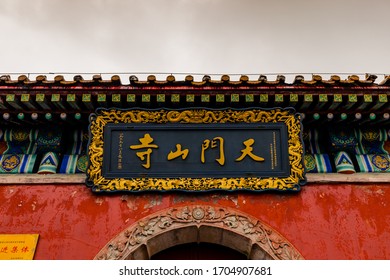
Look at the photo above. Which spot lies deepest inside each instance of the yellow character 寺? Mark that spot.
(146, 143)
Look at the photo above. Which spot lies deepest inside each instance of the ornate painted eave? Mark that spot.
(353, 102)
(317, 98)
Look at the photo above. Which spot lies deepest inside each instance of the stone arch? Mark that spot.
(199, 223)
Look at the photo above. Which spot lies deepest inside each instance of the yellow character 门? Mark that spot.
(213, 144)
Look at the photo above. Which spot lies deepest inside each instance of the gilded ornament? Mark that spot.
(102, 117)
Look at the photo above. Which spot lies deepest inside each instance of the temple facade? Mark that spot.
(340, 211)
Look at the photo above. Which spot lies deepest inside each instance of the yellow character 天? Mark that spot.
(248, 151)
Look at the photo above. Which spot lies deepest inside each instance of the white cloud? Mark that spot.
(205, 36)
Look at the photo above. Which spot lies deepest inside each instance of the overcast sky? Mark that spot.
(195, 36)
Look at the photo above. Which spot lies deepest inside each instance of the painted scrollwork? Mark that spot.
(271, 242)
(99, 183)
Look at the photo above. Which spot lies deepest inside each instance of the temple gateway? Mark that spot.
(195, 168)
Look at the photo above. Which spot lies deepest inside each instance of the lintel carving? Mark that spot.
(270, 241)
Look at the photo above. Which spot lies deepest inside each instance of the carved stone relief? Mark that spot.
(196, 223)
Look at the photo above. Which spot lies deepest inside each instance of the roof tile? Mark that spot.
(151, 80)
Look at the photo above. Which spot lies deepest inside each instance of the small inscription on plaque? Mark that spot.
(18, 246)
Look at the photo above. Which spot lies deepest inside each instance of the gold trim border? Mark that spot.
(287, 116)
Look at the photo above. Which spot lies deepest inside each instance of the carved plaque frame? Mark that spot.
(99, 183)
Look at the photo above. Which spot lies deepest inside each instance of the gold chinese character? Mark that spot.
(206, 145)
(179, 152)
(146, 142)
(248, 151)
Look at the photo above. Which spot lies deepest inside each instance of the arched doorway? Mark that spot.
(199, 251)
(199, 224)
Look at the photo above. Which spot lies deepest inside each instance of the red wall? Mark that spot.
(322, 221)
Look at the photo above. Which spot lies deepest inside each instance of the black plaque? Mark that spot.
(222, 146)
(195, 149)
